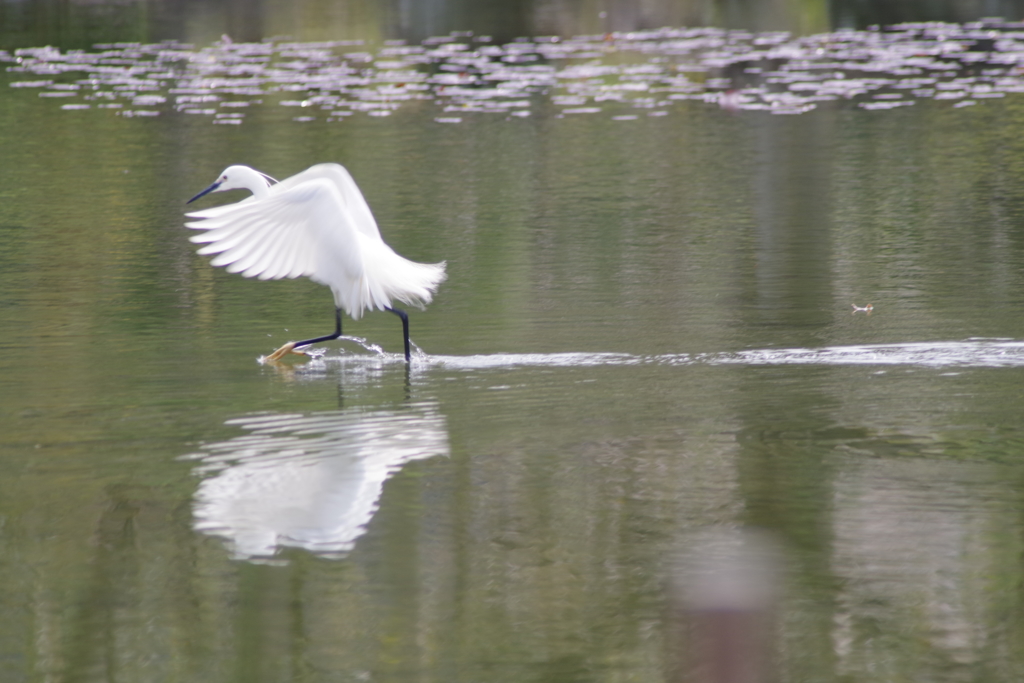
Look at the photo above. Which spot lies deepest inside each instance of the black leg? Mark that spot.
(405, 329)
(328, 337)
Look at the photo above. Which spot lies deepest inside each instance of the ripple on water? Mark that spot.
(968, 353)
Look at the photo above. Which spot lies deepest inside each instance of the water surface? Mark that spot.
(648, 331)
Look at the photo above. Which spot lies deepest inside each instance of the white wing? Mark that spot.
(299, 228)
(352, 198)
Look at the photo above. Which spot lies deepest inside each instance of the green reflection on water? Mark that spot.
(80, 25)
(32, 23)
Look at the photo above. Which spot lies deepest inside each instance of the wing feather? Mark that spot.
(290, 264)
(251, 263)
(267, 257)
(278, 268)
(302, 226)
(248, 253)
(233, 244)
(242, 244)
(357, 209)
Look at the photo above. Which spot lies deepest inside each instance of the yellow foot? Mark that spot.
(283, 351)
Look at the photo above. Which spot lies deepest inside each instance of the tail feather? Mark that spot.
(388, 277)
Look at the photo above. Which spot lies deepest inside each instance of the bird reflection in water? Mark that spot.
(308, 481)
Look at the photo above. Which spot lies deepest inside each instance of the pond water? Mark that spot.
(653, 334)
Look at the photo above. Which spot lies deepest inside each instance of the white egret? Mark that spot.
(316, 224)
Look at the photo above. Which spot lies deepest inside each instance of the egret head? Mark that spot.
(237, 178)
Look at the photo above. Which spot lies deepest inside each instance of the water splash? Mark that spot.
(970, 353)
(320, 352)
(367, 345)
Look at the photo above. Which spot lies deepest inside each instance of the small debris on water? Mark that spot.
(662, 69)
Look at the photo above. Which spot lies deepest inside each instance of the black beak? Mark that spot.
(207, 191)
